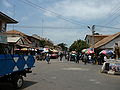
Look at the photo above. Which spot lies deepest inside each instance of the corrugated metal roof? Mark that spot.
(12, 39)
(96, 36)
(106, 40)
(16, 32)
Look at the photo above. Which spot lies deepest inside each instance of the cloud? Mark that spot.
(24, 19)
(89, 11)
(83, 9)
(65, 35)
(6, 3)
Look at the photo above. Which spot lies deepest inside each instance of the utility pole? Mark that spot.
(13, 14)
(93, 32)
(93, 39)
(42, 25)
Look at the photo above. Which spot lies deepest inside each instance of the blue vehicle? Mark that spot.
(14, 67)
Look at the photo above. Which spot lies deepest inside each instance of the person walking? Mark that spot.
(116, 51)
(48, 58)
(61, 56)
(77, 58)
(99, 58)
(68, 57)
(85, 58)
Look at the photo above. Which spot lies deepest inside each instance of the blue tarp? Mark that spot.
(12, 63)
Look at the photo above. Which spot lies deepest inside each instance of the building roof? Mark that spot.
(97, 36)
(37, 37)
(7, 19)
(12, 39)
(106, 40)
(16, 32)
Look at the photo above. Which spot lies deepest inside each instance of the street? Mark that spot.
(66, 75)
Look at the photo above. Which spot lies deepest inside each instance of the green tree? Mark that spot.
(44, 43)
(63, 46)
(78, 45)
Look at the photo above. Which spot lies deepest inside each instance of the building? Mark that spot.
(108, 42)
(94, 39)
(103, 42)
(4, 20)
(19, 39)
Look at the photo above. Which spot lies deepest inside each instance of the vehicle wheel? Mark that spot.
(18, 81)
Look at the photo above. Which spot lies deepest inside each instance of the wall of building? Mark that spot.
(110, 45)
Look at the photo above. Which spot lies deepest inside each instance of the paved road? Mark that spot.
(69, 76)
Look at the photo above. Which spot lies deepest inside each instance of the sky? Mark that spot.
(63, 21)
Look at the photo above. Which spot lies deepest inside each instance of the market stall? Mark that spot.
(111, 66)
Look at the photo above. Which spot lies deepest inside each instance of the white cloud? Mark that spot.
(88, 11)
(6, 3)
(84, 9)
(65, 35)
(24, 19)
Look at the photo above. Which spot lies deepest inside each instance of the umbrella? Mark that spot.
(110, 52)
(106, 52)
(89, 51)
(54, 50)
(17, 49)
(84, 50)
(24, 49)
(46, 50)
(103, 52)
(74, 52)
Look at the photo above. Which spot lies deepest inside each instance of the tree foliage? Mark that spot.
(44, 43)
(78, 46)
(63, 46)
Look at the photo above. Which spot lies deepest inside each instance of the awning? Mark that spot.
(6, 18)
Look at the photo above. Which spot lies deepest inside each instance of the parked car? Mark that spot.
(54, 55)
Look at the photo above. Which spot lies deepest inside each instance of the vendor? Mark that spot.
(116, 51)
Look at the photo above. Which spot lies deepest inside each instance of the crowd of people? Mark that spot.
(88, 58)
(80, 56)
(77, 57)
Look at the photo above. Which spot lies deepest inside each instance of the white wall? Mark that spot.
(110, 45)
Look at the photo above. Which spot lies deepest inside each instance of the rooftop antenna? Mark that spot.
(13, 13)
(42, 25)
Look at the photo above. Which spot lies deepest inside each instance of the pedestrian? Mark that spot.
(77, 58)
(99, 58)
(90, 58)
(47, 58)
(61, 56)
(68, 57)
(105, 58)
(85, 58)
(94, 59)
(116, 51)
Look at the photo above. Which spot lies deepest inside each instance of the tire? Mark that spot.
(18, 81)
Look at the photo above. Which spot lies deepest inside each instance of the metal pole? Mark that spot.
(42, 25)
(93, 42)
(92, 29)
(13, 13)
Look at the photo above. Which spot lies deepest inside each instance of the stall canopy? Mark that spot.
(107, 52)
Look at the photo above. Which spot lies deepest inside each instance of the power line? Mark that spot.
(112, 20)
(113, 13)
(108, 27)
(46, 27)
(56, 14)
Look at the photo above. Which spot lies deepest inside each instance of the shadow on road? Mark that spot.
(6, 86)
(9, 86)
(28, 83)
